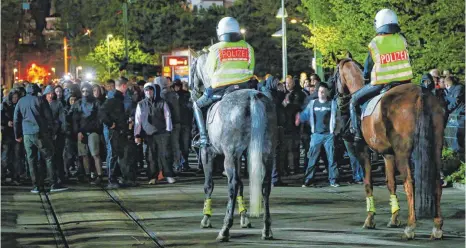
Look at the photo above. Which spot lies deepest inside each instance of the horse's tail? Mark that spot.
(423, 158)
(255, 150)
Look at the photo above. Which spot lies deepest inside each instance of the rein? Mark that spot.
(343, 100)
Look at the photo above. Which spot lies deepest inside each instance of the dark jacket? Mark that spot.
(113, 111)
(32, 115)
(58, 111)
(454, 97)
(7, 114)
(86, 116)
(295, 99)
(186, 107)
(68, 112)
(271, 88)
(173, 102)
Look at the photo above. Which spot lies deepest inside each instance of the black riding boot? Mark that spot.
(355, 123)
(203, 138)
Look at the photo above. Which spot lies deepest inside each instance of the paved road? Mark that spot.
(169, 216)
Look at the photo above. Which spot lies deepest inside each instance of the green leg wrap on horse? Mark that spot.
(241, 204)
(208, 207)
(370, 203)
(394, 203)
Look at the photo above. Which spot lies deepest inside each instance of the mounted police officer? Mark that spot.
(229, 66)
(387, 62)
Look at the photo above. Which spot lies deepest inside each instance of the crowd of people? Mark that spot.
(75, 126)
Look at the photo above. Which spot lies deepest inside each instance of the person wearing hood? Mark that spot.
(87, 127)
(33, 125)
(172, 100)
(271, 90)
(70, 154)
(98, 93)
(60, 93)
(114, 116)
(12, 152)
(454, 96)
(59, 129)
(186, 120)
(153, 123)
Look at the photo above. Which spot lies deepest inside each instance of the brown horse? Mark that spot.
(407, 127)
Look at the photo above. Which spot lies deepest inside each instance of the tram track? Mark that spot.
(133, 216)
(52, 218)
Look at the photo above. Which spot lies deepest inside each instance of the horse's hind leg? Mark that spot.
(437, 232)
(363, 153)
(232, 170)
(208, 187)
(242, 210)
(266, 188)
(402, 162)
(391, 185)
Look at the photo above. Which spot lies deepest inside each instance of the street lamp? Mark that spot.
(14, 72)
(243, 32)
(108, 52)
(53, 69)
(282, 14)
(279, 33)
(77, 71)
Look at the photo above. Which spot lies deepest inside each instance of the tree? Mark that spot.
(434, 29)
(11, 18)
(100, 60)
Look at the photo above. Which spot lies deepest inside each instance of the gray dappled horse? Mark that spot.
(242, 120)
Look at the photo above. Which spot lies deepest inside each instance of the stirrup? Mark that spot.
(199, 143)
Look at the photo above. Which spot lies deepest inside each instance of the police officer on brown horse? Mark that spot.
(387, 62)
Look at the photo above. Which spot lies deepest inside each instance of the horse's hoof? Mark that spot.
(205, 222)
(245, 222)
(436, 234)
(408, 233)
(221, 238)
(267, 235)
(367, 225)
(395, 224)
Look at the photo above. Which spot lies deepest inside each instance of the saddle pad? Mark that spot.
(369, 107)
(211, 112)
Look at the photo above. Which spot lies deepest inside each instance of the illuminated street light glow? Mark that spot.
(243, 31)
(89, 76)
(294, 21)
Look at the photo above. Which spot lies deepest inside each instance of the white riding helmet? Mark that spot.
(385, 17)
(227, 25)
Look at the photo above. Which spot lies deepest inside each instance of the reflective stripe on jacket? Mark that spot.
(391, 59)
(230, 63)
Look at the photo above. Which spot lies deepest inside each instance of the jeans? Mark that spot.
(317, 141)
(34, 143)
(118, 142)
(280, 157)
(111, 161)
(359, 98)
(291, 143)
(157, 145)
(12, 158)
(185, 143)
(59, 144)
(175, 146)
(358, 171)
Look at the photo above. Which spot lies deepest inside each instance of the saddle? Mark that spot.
(368, 107)
(217, 99)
